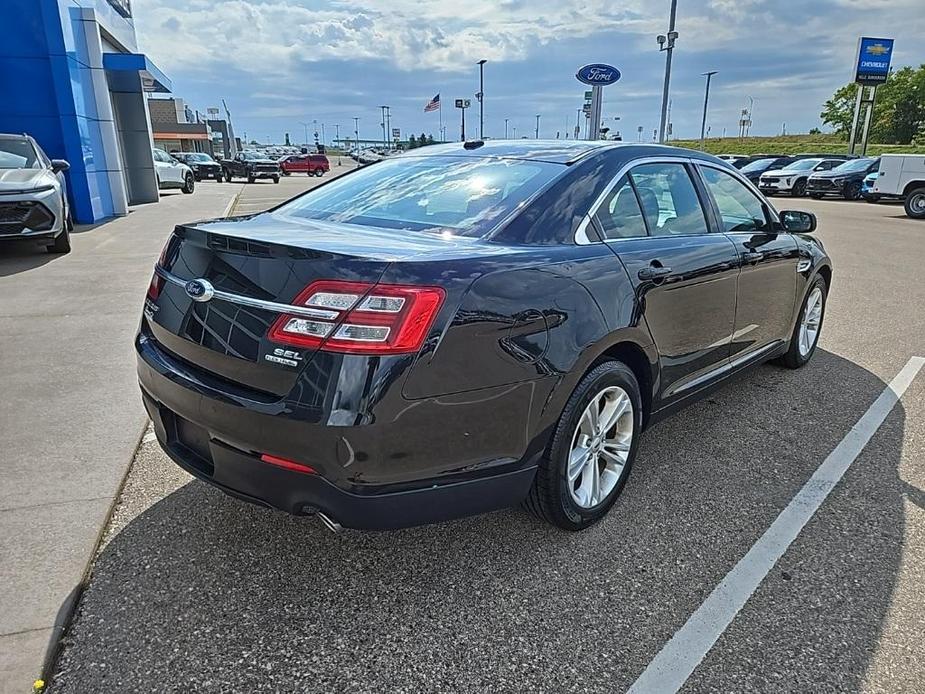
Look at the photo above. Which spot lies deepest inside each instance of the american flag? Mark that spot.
(433, 104)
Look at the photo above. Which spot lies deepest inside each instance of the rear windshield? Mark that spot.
(465, 196)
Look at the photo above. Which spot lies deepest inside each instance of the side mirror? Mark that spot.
(59, 165)
(798, 222)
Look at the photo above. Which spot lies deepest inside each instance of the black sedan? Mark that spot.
(468, 327)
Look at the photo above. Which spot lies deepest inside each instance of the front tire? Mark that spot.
(62, 243)
(251, 179)
(189, 184)
(799, 189)
(817, 196)
(853, 191)
(915, 204)
(592, 450)
(806, 332)
(276, 179)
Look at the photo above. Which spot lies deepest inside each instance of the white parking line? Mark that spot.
(671, 667)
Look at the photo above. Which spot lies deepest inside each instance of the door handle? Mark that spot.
(752, 257)
(654, 272)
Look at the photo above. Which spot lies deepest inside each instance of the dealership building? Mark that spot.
(72, 77)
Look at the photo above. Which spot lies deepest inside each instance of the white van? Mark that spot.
(903, 175)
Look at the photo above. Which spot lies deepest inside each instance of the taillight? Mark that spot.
(369, 319)
(157, 282)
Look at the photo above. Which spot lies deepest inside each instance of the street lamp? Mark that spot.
(481, 97)
(706, 101)
(356, 132)
(304, 125)
(666, 43)
(385, 139)
(537, 126)
(505, 128)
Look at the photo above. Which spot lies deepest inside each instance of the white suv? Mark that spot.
(792, 178)
(172, 173)
(903, 175)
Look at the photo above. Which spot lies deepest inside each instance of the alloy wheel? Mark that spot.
(812, 318)
(600, 447)
(917, 203)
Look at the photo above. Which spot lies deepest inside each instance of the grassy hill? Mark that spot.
(791, 144)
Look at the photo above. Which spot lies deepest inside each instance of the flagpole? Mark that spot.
(440, 111)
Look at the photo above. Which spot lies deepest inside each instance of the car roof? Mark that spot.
(554, 151)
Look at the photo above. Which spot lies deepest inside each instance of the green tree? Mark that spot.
(430, 139)
(423, 140)
(899, 111)
(412, 143)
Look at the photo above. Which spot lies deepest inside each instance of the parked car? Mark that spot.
(201, 164)
(734, 159)
(903, 176)
(33, 195)
(251, 165)
(753, 170)
(172, 173)
(792, 178)
(468, 327)
(867, 188)
(311, 164)
(844, 180)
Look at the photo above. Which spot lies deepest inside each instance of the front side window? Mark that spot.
(669, 200)
(464, 196)
(738, 207)
(619, 215)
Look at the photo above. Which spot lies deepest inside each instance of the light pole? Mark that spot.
(537, 126)
(336, 133)
(315, 124)
(666, 43)
(385, 140)
(305, 125)
(505, 127)
(513, 132)
(324, 140)
(578, 122)
(706, 101)
(356, 132)
(481, 98)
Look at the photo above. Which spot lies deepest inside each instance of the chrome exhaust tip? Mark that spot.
(330, 524)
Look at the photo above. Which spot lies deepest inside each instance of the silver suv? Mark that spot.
(33, 195)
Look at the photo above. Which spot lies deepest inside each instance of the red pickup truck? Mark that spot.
(311, 164)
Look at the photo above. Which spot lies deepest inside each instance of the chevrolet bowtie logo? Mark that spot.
(878, 49)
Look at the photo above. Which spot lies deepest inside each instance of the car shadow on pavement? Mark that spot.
(195, 591)
(22, 256)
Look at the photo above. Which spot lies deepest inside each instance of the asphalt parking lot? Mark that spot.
(194, 591)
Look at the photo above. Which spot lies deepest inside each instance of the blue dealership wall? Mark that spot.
(49, 87)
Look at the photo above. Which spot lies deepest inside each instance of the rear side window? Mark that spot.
(669, 200)
(738, 207)
(465, 196)
(619, 215)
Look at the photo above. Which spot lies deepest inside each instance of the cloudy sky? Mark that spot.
(282, 62)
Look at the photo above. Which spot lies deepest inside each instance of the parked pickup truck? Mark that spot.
(251, 165)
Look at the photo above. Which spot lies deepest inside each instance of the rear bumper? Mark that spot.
(219, 439)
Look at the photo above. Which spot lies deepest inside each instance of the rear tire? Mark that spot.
(228, 176)
(556, 499)
(802, 347)
(319, 172)
(251, 179)
(62, 243)
(915, 204)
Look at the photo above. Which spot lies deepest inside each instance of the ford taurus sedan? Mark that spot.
(469, 327)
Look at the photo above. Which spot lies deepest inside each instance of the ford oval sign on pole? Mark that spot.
(598, 76)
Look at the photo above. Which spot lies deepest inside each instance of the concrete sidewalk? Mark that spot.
(70, 415)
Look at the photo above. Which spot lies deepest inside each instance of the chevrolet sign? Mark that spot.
(873, 64)
(123, 7)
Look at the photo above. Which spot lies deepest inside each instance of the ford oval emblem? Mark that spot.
(200, 290)
(598, 74)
